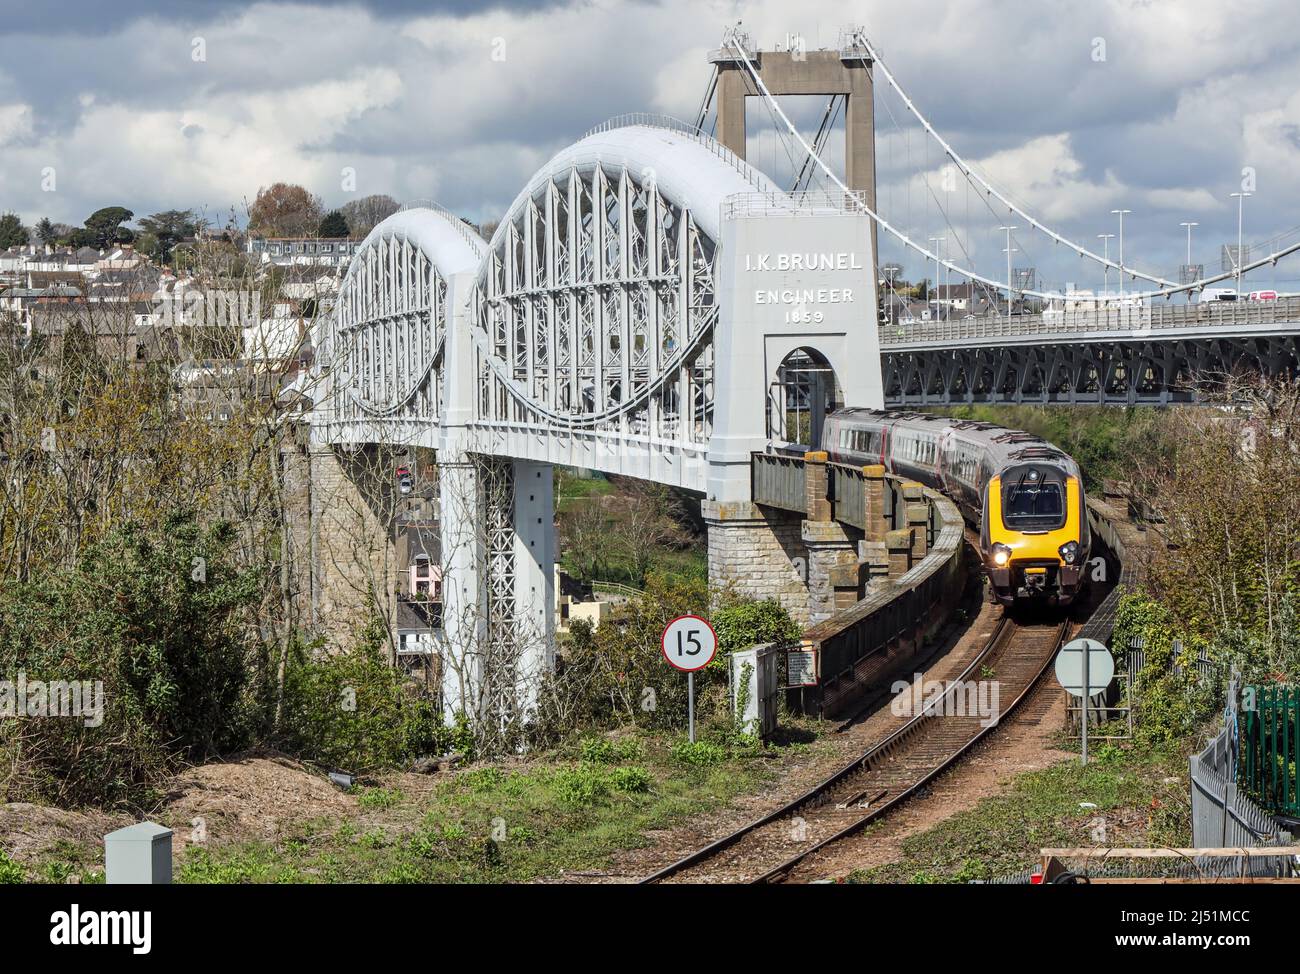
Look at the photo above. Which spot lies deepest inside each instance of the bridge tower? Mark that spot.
(845, 72)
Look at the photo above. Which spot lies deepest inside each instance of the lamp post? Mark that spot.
(1241, 200)
(1105, 239)
(1008, 250)
(1188, 225)
(935, 241)
(1121, 252)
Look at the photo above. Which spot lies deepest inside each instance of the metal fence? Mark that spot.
(1212, 314)
(1221, 815)
(1270, 738)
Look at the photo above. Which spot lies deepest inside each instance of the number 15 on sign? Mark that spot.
(689, 644)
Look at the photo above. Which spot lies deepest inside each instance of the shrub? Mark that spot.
(598, 750)
(158, 615)
(632, 779)
(351, 710)
(581, 787)
(10, 871)
(700, 753)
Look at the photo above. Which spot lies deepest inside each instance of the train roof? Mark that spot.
(1005, 445)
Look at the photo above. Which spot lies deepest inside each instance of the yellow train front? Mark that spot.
(1034, 535)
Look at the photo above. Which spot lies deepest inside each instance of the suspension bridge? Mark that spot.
(642, 308)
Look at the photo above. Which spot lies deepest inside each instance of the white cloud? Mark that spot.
(1188, 94)
(15, 123)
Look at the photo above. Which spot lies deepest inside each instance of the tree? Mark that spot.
(334, 225)
(167, 228)
(104, 227)
(1228, 496)
(284, 210)
(12, 231)
(365, 214)
(46, 231)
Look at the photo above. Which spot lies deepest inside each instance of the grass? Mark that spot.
(572, 811)
(1140, 798)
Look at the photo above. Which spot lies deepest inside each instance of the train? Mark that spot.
(1023, 494)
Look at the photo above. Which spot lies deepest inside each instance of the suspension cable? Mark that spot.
(730, 39)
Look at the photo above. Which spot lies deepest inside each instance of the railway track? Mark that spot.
(886, 774)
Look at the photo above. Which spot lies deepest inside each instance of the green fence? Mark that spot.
(1270, 742)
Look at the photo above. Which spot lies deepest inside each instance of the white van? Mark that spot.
(1211, 294)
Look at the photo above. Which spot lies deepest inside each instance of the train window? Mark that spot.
(1036, 505)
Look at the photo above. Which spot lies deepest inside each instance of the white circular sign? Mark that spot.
(689, 643)
(1069, 667)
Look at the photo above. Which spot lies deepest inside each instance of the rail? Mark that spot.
(1212, 315)
(616, 588)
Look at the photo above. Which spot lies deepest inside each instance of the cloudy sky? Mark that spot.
(197, 103)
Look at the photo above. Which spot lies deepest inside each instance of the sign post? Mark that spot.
(689, 644)
(1084, 668)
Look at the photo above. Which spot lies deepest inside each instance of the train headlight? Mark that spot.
(1001, 554)
(1069, 551)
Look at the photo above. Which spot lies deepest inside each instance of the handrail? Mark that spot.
(1218, 314)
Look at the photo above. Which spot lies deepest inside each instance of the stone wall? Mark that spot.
(758, 553)
(354, 560)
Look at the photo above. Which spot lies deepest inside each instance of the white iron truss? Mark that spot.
(591, 313)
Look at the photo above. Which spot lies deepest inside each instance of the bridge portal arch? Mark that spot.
(803, 390)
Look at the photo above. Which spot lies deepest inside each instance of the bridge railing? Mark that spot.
(778, 481)
(1211, 314)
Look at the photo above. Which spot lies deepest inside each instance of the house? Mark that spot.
(287, 251)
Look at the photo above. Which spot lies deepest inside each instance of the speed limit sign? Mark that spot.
(689, 643)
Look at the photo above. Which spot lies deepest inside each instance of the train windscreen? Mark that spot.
(1034, 504)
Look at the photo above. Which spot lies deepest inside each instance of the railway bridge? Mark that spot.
(632, 314)
(653, 306)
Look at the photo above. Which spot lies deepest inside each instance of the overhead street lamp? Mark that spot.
(1105, 239)
(1121, 252)
(1009, 250)
(1241, 200)
(1189, 226)
(935, 241)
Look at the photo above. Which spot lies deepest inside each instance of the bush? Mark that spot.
(617, 674)
(632, 779)
(581, 787)
(351, 710)
(597, 750)
(158, 616)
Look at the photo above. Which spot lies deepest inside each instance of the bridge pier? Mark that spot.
(835, 574)
(759, 553)
(498, 639)
(353, 558)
